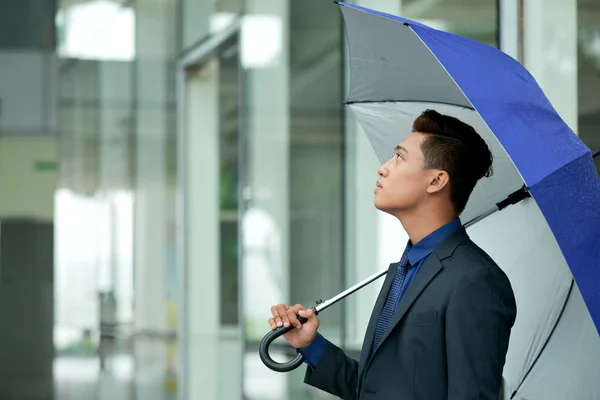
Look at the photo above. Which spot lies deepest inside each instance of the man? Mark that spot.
(441, 325)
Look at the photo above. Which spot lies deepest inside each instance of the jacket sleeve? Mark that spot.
(336, 373)
(480, 316)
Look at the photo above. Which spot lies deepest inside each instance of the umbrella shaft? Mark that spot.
(322, 305)
(482, 216)
(327, 303)
(511, 199)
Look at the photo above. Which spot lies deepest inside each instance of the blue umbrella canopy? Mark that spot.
(548, 243)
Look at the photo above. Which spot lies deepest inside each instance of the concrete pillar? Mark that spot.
(265, 236)
(154, 122)
(202, 234)
(550, 52)
(211, 350)
(509, 26)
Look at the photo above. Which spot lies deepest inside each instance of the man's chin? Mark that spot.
(381, 205)
(386, 207)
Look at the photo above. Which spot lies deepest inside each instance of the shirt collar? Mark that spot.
(425, 246)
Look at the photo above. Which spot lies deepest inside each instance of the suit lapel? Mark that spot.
(430, 268)
(370, 333)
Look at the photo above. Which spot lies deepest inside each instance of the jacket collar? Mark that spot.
(428, 244)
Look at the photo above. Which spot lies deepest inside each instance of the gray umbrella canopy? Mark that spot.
(554, 352)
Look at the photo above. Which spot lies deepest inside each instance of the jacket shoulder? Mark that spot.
(472, 263)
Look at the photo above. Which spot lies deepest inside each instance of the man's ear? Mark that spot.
(438, 180)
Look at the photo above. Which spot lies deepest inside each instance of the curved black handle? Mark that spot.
(263, 350)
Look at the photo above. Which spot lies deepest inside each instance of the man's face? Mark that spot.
(403, 181)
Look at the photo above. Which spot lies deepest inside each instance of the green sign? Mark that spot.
(46, 165)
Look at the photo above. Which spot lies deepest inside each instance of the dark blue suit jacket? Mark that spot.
(447, 339)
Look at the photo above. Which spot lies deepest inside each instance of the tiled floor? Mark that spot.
(81, 378)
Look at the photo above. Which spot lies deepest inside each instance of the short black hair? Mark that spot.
(455, 147)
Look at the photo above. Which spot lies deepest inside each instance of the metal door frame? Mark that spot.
(188, 61)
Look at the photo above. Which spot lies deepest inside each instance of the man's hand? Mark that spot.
(304, 334)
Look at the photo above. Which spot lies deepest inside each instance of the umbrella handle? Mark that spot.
(263, 349)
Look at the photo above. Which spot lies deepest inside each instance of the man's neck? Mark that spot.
(418, 226)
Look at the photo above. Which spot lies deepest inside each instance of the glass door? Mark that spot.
(209, 175)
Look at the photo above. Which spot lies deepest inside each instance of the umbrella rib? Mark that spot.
(408, 101)
(513, 198)
(564, 306)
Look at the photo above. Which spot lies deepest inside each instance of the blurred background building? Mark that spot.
(169, 169)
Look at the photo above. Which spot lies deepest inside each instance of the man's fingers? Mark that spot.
(280, 315)
(282, 309)
(285, 316)
(292, 315)
(276, 316)
(308, 314)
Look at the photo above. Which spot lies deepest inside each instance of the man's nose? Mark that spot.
(382, 170)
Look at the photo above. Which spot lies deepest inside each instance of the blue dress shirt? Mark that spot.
(416, 256)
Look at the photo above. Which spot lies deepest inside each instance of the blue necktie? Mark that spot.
(392, 300)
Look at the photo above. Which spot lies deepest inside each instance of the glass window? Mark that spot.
(293, 220)
(116, 299)
(316, 158)
(476, 19)
(588, 74)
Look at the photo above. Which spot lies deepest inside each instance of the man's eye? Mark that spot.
(398, 156)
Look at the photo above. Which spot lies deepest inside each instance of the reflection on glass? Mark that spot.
(97, 30)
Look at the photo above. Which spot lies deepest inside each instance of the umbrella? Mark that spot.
(538, 216)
